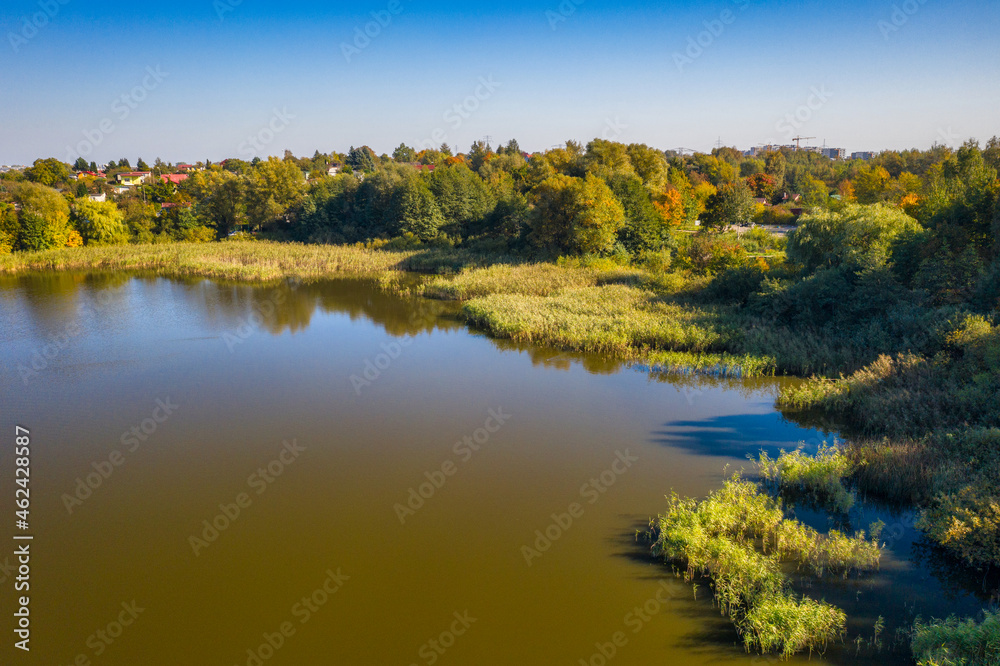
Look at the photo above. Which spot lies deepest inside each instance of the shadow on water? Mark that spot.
(735, 436)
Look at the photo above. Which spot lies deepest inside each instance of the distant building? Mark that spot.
(867, 155)
(334, 169)
(133, 178)
(99, 198)
(833, 153)
(175, 178)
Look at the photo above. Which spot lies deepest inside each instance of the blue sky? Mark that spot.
(257, 77)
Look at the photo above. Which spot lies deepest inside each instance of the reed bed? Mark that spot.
(738, 538)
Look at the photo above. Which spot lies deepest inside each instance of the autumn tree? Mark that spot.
(48, 172)
(578, 215)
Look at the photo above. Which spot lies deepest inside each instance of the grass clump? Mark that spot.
(818, 478)
(738, 537)
(955, 642)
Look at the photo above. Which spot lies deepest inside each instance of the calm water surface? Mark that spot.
(377, 448)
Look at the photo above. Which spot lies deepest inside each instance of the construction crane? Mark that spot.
(799, 139)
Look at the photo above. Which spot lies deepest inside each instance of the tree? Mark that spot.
(856, 237)
(221, 197)
(762, 185)
(461, 195)
(416, 211)
(814, 191)
(100, 222)
(141, 166)
(362, 159)
(733, 204)
(775, 165)
(650, 164)
(404, 154)
(478, 155)
(871, 183)
(47, 172)
(273, 187)
(81, 165)
(44, 217)
(10, 228)
(579, 215)
(607, 159)
(644, 228)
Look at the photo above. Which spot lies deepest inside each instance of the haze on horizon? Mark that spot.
(211, 79)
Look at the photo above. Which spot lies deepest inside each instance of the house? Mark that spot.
(422, 167)
(80, 175)
(762, 201)
(133, 178)
(175, 178)
(187, 167)
(334, 169)
(99, 198)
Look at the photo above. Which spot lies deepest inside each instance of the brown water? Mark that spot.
(242, 399)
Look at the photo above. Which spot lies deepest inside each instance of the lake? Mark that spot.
(327, 474)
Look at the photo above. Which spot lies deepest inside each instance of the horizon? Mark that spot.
(212, 80)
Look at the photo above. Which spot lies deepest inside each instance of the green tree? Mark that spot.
(48, 172)
(44, 217)
(650, 164)
(644, 228)
(462, 196)
(81, 165)
(857, 236)
(478, 155)
(100, 222)
(362, 159)
(775, 165)
(141, 166)
(404, 154)
(732, 204)
(417, 212)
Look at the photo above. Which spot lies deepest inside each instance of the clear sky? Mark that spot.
(209, 79)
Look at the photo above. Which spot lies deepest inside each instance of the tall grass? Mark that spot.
(239, 260)
(818, 477)
(955, 642)
(738, 537)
